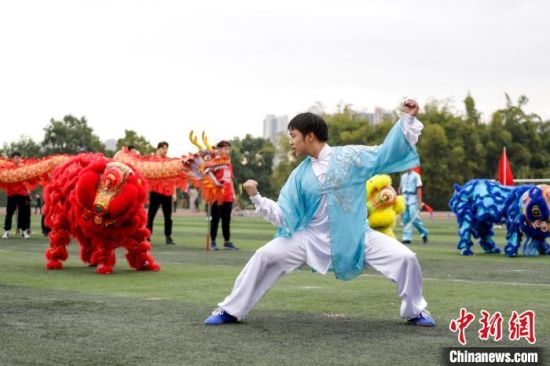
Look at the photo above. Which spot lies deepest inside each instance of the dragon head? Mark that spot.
(536, 211)
(211, 165)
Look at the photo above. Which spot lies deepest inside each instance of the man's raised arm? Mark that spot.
(397, 153)
(265, 207)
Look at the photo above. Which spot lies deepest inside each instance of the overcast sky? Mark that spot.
(162, 68)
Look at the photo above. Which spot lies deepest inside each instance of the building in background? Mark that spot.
(273, 126)
(378, 116)
(110, 144)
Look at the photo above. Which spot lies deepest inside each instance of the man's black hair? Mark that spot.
(310, 122)
(162, 144)
(16, 153)
(223, 143)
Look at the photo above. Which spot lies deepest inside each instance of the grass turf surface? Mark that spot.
(75, 316)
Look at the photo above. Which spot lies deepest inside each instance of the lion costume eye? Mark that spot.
(535, 211)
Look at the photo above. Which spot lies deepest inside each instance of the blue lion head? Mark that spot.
(536, 211)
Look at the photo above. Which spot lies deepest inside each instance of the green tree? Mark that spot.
(252, 158)
(472, 115)
(25, 145)
(70, 136)
(139, 142)
(453, 148)
(286, 162)
(541, 160)
(522, 134)
(346, 127)
(435, 151)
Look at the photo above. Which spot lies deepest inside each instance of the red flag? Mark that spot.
(429, 209)
(504, 174)
(425, 206)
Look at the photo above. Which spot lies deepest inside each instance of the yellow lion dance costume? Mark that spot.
(383, 204)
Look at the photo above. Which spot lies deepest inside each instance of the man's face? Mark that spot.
(224, 150)
(162, 151)
(17, 159)
(297, 142)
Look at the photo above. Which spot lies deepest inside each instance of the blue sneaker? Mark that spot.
(423, 320)
(213, 246)
(219, 317)
(229, 246)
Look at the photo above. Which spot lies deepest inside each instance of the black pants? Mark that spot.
(38, 207)
(45, 230)
(222, 212)
(23, 206)
(156, 200)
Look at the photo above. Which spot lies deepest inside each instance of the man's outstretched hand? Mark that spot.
(251, 187)
(410, 107)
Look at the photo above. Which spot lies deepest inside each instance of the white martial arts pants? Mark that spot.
(283, 255)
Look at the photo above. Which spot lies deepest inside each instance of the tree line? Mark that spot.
(454, 147)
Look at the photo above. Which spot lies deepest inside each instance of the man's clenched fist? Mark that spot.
(251, 187)
(410, 107)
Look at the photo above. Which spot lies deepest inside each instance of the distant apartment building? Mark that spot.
(378, 116)
(273, 126)
(110, 144)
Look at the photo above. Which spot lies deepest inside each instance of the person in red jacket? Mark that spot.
(20, 200)
(223, 211)
(161, 195)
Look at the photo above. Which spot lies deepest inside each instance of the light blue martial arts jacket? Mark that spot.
(350, 168)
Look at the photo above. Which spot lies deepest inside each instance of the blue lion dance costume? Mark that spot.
(525, 210)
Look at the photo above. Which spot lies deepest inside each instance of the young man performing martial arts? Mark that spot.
(322, 222)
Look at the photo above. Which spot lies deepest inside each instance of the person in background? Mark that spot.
(223, 211)
(161, 195)
(20, 200)
(411, 187)
(38, 204)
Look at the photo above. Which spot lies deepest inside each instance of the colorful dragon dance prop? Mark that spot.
(155, 169)
(524, 209)
(31, 172)
(383, 204)
(209, 166)
(205, 167)
(98, 201)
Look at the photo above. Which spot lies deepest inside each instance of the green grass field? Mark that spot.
(76, 317)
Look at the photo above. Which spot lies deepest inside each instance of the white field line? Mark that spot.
(476, 281)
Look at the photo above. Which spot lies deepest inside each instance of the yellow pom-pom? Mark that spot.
(399, 205)
(382, 218)
(376, 183)
(383, 205)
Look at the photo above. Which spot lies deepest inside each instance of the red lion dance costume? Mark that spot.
(100, 203)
